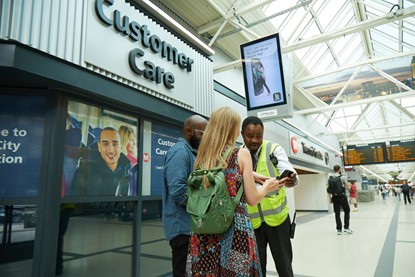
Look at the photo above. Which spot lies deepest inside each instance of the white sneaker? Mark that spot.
(339, 232)
(348, 230)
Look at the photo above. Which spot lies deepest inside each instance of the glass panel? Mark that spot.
(155, 257)
(158, 138)
(100, 154)
(409, 38)
(96, 239)
(18, 227)
(22, 121)
(335, 15)
(374, 11)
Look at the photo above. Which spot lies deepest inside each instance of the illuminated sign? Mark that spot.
(364, 154)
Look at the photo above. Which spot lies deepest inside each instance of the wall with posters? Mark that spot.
(103, 71)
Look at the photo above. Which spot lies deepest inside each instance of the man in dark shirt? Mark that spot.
(405, 191)
(102, 171)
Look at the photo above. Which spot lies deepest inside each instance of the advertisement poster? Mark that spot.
(22, 126)
(162, 138)
(263, 73)
(100, 152)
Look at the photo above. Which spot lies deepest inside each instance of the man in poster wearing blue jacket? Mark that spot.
(101, 172)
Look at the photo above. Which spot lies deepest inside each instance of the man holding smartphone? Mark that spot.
(270, 218)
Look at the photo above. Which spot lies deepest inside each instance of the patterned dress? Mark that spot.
(233, 253)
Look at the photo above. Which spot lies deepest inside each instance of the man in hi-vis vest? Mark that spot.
(270, 218)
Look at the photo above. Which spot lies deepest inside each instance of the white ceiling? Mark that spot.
(337, 46)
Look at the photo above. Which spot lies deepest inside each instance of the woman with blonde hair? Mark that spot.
(234, 252)
(128, 143)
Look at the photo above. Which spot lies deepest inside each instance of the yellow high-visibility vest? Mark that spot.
(272, 210)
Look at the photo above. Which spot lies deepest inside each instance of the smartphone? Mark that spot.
(286, 173)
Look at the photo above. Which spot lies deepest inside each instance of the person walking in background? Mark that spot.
(411, 189)
(270, 218)
(405, 192)
(398, 192)
(353, 195)
(178, 164)
(384, 192)
(234, 252)
(339, 200)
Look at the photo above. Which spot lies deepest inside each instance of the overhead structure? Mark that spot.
(354, 60)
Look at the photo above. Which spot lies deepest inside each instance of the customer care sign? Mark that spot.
(124, 41)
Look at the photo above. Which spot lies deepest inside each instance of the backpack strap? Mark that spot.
(239, 194)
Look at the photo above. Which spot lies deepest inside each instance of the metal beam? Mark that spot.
(354, 103)
(365, 25)
(361, 26)
(246, 9)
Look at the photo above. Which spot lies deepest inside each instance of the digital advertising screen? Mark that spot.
(263, 75)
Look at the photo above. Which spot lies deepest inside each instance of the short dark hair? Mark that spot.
(251, 120)
(107, 129)
(336, 168)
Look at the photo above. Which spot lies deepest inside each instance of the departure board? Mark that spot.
(373, 153)
(401, 151)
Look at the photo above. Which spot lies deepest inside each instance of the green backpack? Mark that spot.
(211, 210)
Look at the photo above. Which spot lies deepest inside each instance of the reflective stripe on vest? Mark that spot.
(262, 213)
(272, 210)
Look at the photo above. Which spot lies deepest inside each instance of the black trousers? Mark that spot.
(341, 201)
(278, 238)
(179, 248)
(406, 196)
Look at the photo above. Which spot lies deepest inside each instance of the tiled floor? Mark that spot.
(383, 244)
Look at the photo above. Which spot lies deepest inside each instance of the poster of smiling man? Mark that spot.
(100, 153)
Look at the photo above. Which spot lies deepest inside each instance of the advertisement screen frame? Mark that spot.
(264, 53)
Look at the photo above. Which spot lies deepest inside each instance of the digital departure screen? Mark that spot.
(364, 154)
(401, 151)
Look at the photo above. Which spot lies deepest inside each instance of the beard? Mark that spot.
(194, 142)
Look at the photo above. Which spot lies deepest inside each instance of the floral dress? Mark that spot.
(233, 253)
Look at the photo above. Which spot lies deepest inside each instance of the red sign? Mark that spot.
(294, 145)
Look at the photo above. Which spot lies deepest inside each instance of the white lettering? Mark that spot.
(161, 152)
(8, 145)
(165, 142)
(10, 160)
